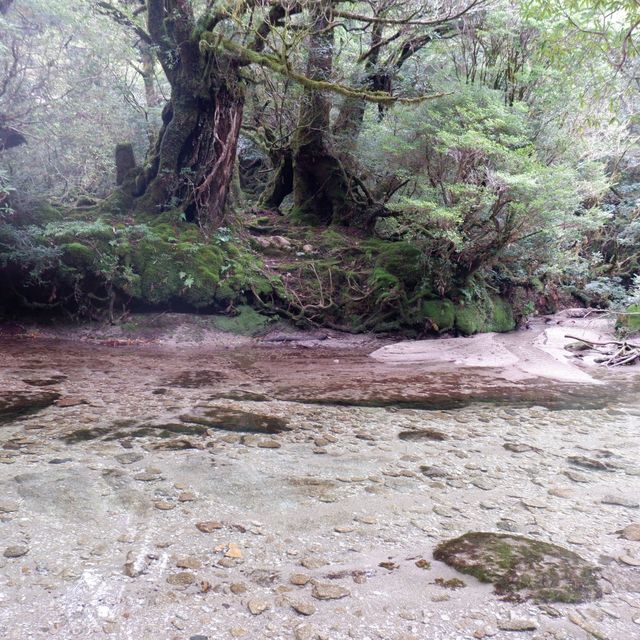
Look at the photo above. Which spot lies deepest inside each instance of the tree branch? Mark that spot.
(248, 56)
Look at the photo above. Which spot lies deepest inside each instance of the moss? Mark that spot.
(77, 255)
(441, 314)
(247, 322)
(469, 319)
(501, 317)
(522, 567)
(631, 322)
(489, 313)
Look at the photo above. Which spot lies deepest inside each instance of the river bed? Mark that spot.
(277, 490)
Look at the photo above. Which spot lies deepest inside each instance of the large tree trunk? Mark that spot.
(320, 184)
(192, 165)
(350, 119)
(281, 183)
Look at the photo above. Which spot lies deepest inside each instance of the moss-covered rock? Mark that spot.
(631, 319)
(77, 254)
(440, 313)
(247, 322)
(522, 568)
(489, 313)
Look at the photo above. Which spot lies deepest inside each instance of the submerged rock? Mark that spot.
(18, 403)
(522, 568)
(240, 421)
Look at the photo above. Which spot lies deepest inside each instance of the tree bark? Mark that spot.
(192, 164)
(320, 184)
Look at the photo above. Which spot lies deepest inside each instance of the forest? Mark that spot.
(391, 166)
(320, 319)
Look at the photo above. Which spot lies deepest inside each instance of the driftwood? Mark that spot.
(615, 352)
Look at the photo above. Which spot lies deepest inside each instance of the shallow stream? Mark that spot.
(291, 492)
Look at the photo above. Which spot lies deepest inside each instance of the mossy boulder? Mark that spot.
(630, 322)
(77, 254)
(487, 314)
(247, 322)
(522, 568)
(440, 313)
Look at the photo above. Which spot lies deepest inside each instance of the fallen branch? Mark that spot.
(623, 353)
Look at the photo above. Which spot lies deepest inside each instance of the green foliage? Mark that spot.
(149, 264)
(481, 195)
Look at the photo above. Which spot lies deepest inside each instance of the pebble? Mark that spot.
(632, 532)
(183, 579)
(15, 551)
(325, 591)
(163, 505)
(534, 503)
(313, 562)
(304, 608)
(7, 506)
(305, 632)
(518, 624)
(129, 458)
(257, 606)
(146, 476)
(630, 560)
(188, 562)
(208, 526)
(576, 477)
(238, 588)
(621, 501)
(299, 579)
(269, 444)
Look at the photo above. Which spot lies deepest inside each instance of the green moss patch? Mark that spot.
(630, 322)
(522, 568)
(247, 322)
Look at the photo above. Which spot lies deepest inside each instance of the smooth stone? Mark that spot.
(163, 505)
(15, 551)
(632, 532)
(303, 608)
(621, 501)
(325, 591)
(518, 624)
(299, 579)
(129, 457)
(257, 606)
(182, 579)
(209, 526)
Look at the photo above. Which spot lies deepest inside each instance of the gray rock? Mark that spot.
(16, 551)
(325, 591)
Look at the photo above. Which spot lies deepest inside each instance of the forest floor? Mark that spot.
(172, 481)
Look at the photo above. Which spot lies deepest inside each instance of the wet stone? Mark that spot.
(432, 471)
(325, 591)
(8, 506)
(523, 567)
(182, 579)
(208, 526)
(423, 434)
(15, 551)
(239, 421)
(589, 463)
(630, 532)
(303, 608)
(299, 579)
(257, 606)
(146, 476)
(621, 501)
